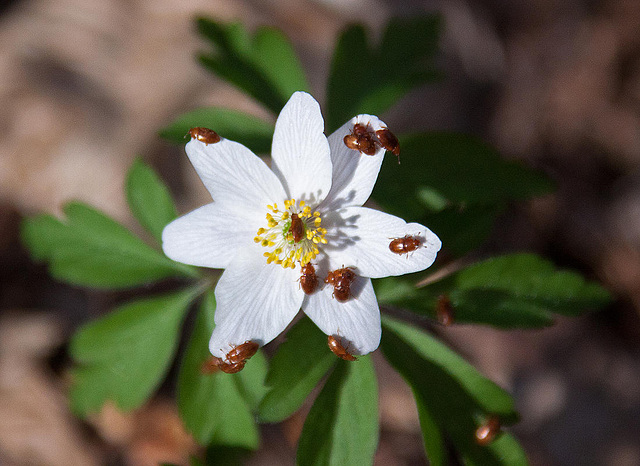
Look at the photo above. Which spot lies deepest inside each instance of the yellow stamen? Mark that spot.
(278, 235)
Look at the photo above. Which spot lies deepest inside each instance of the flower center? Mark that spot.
(293, 233)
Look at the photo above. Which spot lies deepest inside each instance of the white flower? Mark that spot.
(246, 230)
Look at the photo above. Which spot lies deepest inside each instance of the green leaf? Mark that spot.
(498, 309)
(505, 448)
(123, 356)
(246, 129)
(462, 169)
(265, 67)
(529, 278)
(91, 249)
(295, 370)
(486, 395)
(275, 56)
(41, 235)
(464, 228)
(251, 381)
(364, 79)
(512, 291)
(342, 426)
(149, 199)
(212, 406)
(456, 185)
(452, 392)
(431, 434)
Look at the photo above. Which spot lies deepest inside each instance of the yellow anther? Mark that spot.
(277, 236)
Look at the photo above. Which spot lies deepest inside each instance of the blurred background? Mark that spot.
(85, 85)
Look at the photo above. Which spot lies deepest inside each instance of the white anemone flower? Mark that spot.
(246, 230)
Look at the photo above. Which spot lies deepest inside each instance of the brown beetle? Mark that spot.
(341, 280)
(367, 146)
(361, 139)
(296, 228)
(351, 141)
(405, 245)
(206, 135)
(233, 361)
(488, 431)
(308, 279)
(339, 350)
(389, 141)
(214, 364)
(241, 353)
(229, 368)
(444, 310)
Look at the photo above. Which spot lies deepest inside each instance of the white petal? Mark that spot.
(356, 321)
(354, 174)
(360, 237)
(300, 150)
(234, 175)
(207, 237)
(255, 301)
